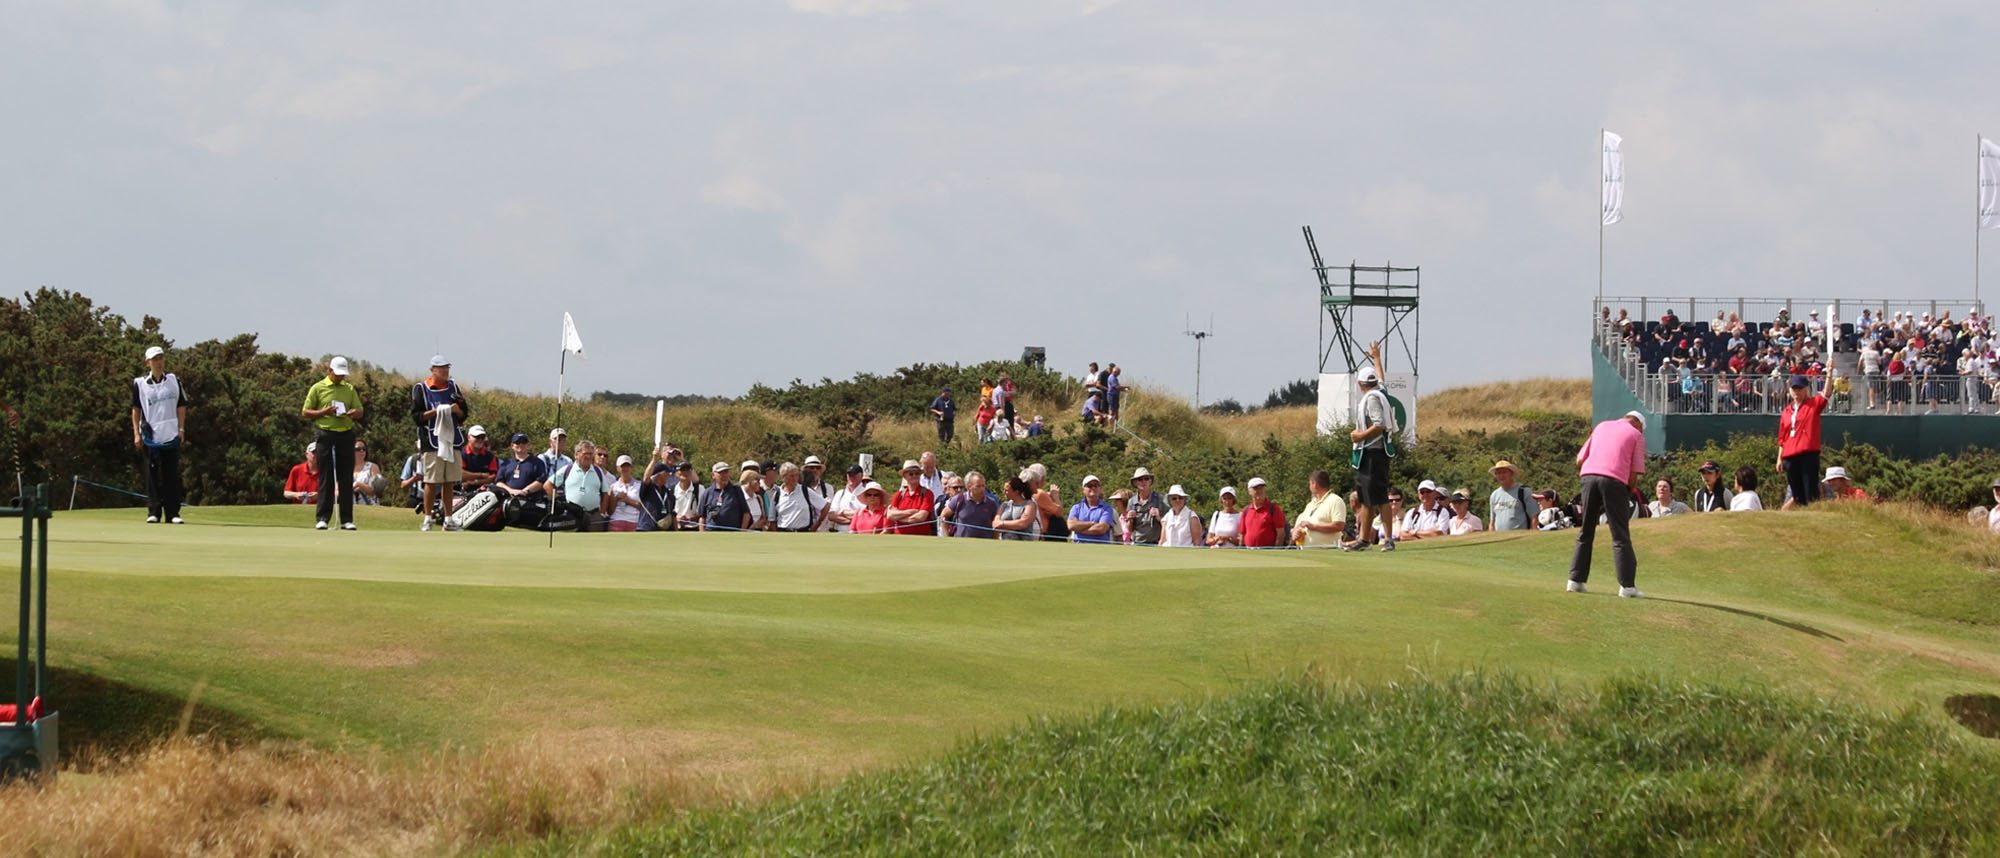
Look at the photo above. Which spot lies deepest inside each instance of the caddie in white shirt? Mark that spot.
(159, 423)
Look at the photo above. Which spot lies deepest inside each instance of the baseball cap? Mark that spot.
(751, 465)
(1546, 493)
(312, 446)
(337, 366)
(684, 466)
(1637, 416)
(624, 460)
(1367, 375)
(519, 438)
(1227, 490)
(154, 351)
(1176, 491)
(719, 468)
(814, 460)
(856, 469)
(557, 433)
(1256, 482)
(1836, 473)
(1710, 465)
(438, 360)
(1427, 486)
(1996, 482)
(1799, 381)
(1461, 495)
(1092, 478)
(477, 431)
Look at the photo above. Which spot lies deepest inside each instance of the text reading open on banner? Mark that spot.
(1614, 178)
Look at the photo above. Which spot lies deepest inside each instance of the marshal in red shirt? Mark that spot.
(1263, 528)
(1798, 427)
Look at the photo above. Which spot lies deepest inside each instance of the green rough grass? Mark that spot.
(1472, 764)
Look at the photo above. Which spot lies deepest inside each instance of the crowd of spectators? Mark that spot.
(1903, 362)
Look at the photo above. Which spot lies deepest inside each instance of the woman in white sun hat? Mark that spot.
(1181, 526)
(1225, 527)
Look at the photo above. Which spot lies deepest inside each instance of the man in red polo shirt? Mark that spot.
(1798, 439)
(1263, 521)
(910, 509)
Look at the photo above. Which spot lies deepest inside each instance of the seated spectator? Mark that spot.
(1091, 519)
(873, 516)
(1225, 526)
(1263, 520)
(1462, 521)
(1181, 526)
(846, 501)
(412, 481)
(585, 496)
(725, 507)
(1839, 487)
(367, 477)
(1038, 428)
(523, 476)
(1745, 499)
(302, 484)
(1093, 410)
(1713, 496)
(1663, 500)
(1019, 518)
(972, 512)
(795, 506)
(911, 507)
(1430, 517)
(1550, 514)
(1323, 519)
(478, 464)
(626, 510)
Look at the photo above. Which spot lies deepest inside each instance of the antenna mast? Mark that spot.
(1187, 328)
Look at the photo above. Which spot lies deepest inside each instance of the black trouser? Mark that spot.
(336, 473)
(945, 431)
(1802, 476)
(1007, 414)
(1612, 499)
(163, 481)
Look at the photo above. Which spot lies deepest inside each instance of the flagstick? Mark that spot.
(562, 371)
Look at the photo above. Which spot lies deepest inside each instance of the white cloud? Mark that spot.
(744, 193)
(849, 8)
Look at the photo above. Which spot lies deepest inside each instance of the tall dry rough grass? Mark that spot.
(194, 797)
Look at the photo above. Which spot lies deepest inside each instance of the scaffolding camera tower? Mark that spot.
(1352, 298)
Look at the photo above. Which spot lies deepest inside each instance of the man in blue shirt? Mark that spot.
(1090, 518)
(945, 412)
(525, 478)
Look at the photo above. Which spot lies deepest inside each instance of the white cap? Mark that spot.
(1090, 479)
(1256, 483)
(1637, 416)
(312, 447)
(1367, 376)
(624, 460)
(154, 351)
(751, 465)
(1427, 486)
(438, 360)
(1227, 490)
(1140, 474)
(814, 460)
(719, 468)
(1176, 491)
(477, 431)
(557, 433)
(337, 366)
(1836, 473)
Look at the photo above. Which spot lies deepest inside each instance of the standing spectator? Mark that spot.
(1375, 426)
(812, 475)
(1225, 526)
(1798, 441)
(1003, 399)
(945, 412)
(983, 419)
(626, 509)
(1048, 500)
(1663, 500)
(1509, 507)
(973, 512)
(910, 509)
(1839, 487)
(724, 506)
(1093, 381)
(932, 478)
(1090, 519)
(553, 459)
(1713, 496)
(1114, 390)
(1871, 369)
(367, 477)
(872, 517)
(1093, 409)
(302, 483)
(333, 405)
(846, 501)
(1019, 517)
(480, 464)
(1745, 499)
(1463, 521)
(437, 406)
(795, 506)
(1145, 509)
(1038, 428)
(1324, 518)
(1611, 460)
(159, 424)
(656, 499)
(1993, 515)
(1181, 526)
(1263, 520)
(1119, 532)
(687, 498)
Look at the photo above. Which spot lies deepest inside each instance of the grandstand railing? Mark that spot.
(1667, 390)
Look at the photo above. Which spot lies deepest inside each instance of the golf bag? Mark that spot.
(525, 512)
(480, 512)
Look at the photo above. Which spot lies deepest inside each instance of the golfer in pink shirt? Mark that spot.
(1611, 461)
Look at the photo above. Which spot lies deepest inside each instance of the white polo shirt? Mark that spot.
(793, 510)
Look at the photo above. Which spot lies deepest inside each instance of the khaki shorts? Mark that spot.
(439, 470)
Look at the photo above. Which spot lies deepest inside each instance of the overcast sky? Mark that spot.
(725, 193)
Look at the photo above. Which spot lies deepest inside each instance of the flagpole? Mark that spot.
(1978, 161)
(1600, 214)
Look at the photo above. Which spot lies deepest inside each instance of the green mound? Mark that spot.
(1475, 764)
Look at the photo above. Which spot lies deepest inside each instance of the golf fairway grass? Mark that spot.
(745, 653)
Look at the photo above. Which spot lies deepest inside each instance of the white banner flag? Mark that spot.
(1989, 184)
(1614, 179)
(571, 342)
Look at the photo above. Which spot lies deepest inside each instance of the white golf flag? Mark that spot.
(1989, 184)
(571, 342)
(1614, 179)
